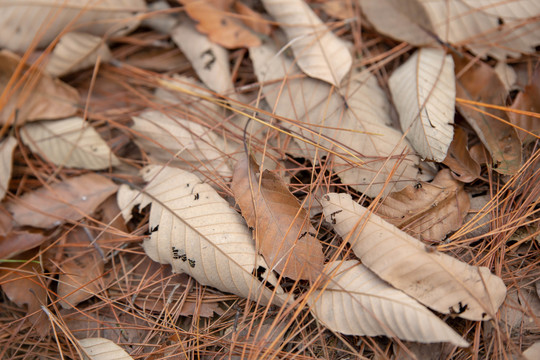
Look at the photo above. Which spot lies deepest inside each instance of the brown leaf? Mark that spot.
(480, 154)
(6, 221)
(480, 83)
(252, 19)
(69, 200)
(428, 210)
(464, 167)
(221, 28)
(528, 100)
(340, 9)
(39, 97)
(284, 234)
(17, 242)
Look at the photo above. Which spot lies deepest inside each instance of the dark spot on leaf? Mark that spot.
(191, 263)
(212, 59)
(224, 22)
(196, 196)
(154, 229)
(258, 273)
(418, 185)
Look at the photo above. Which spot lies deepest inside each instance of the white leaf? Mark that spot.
(320, 53)
(354, 124)
(76, 51)
(6, 163)
(435, 279)
(103, 349)
(424, 91)
(357, 302)
(21, 24)
(70, 142)
(197, 232)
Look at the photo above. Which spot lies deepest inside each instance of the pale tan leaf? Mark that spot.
(424, 91)
(69, 200)
(39, 97)
(102, 349)
(70, 142)
(464, 167)
(427, 210)
(319, 53)
(76, 51)
(284, 234)
(159, 21)
(354, 124)
(506, 74)
(357, 302)
(435, 279)
(198, 233)
(7, 147)
(43, 20)
(532, 352)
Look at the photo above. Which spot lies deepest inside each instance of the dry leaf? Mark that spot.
(318, 52)
(480, 83)
(506, 74)
(102, 349)
(357, 302)
(39, 97)
(198, 233)
(159, 21)
(435, 279)
(44, 20)
(7, 146)
(284, 234)
(428, 210)
(70, 142)
(76, 51)
(464, 167)
(355, 124)
(340, 9)
(6, 221)
(532, 352)
(19, 241)
(220, 27)
(69, 200)
(252, 19)
(528, 100)
(424, 91)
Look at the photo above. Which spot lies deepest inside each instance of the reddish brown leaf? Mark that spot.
(252, 19)
(480, 154)
(6, 221)
(17, 242)
(528, 100)
(284, 234)
(480, 83)
(459, 159)
(69, 200)
(428, 210)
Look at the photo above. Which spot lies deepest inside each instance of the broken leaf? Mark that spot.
(70, 142)
(428, 210)
(357, 302)
(424, 91)
(102, 349)
(198, 233)
(318, 52)
(464, 167)
(69, 200)
(284, 234)
(7, 146)
(528, 100)
(435, 279)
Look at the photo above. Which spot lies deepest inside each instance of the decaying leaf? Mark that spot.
(428, 210)
(480, 83)
(25, 22)
(220, 27)
(71, 142)
(102, 349)
(76, 51)
(435, 279)
(424, 91)
(528, 100)
(39, 97)
(284, 234)
(357, 302)
(464, 167)
(198, 233)
(354, 124)
(69, 200)
(318, 52)
(7, 147)
(19, 241)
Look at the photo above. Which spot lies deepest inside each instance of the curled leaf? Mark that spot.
(459, 160)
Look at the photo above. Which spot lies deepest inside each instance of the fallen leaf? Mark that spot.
(428, 210)
(70, 142)
(464, 167)
(340, 9)
(160, 20)
(69, 200)
(198, 233)
(76, 51)
(283, 231)
(437, 280)
(6, 221)
(223, 29)
(528, 100)
(39, 97)
(424, 91)
(532, 352)
(102, 349)
(19, 241)
(480, 83)
(252, 19)
(480, 154)
(7, 147)
(506, 74)
(357, 302)
(318, 52)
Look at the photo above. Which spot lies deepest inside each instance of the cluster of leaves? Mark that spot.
(340, 167)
